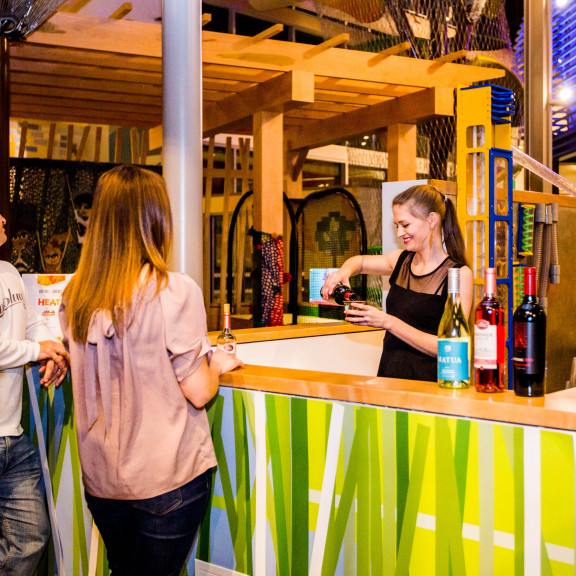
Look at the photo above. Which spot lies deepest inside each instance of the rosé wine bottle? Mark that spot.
(489, 339)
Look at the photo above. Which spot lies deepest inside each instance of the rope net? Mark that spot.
(433, 29)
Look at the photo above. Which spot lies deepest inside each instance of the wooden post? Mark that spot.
(144, 146)
(268, 172)
(51, 135)
(118, 146)
(401, 152)
(97, 144)
(134, 152)
(23, 138)
(82, 145)
(293, 165)
(70, 142)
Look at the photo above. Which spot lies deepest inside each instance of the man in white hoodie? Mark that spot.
(24, 337)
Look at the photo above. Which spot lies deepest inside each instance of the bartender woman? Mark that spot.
(426, 222)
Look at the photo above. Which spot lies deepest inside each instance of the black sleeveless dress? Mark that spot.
(419, 301)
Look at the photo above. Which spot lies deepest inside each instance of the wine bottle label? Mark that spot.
(526, 358)
(485, 345)
(453, 360)
(228, 347)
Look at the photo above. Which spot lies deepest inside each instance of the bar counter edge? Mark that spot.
(557, 410)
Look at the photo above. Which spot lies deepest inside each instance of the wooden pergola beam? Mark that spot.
(277, 95)
(122, 11)
(410, 109)
(247, 42)
(137, 38)
(95, 33)
(219, 49)
(392, 51)
(330, 43)
(73, 5)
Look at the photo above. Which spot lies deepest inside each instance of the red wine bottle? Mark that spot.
(343, 294)
(489, 339)
(529, 341)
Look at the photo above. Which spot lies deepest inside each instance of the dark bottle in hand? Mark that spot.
(343, 294)
(529, 341)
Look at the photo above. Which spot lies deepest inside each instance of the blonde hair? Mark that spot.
(130, 228)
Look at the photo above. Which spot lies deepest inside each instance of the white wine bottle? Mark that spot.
(453, 339)
(226, 340)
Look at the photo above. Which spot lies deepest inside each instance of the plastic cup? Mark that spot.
(350, 307)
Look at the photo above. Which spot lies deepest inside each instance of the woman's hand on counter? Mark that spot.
(365, 315)
(225, 362)
(202, 385)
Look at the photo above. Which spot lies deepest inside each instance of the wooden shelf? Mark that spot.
(245, 335)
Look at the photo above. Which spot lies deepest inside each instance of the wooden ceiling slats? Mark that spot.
(79, 68)
(55, 114)
(57, 92)
(349, 97)
(238, 73)
(96, 85)
(42, 53)
(363, 87)
(225, 85)
(90, 105)
(92, 72)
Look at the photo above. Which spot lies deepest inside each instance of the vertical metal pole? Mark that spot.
(182, 129)
(538, 86)
(5, 142)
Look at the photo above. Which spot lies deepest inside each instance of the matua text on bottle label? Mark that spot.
(453, 360)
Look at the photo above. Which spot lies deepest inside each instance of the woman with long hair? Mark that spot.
(142, 372)
(426, 222)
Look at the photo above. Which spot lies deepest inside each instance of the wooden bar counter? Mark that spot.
(557, 410)
(326, 472)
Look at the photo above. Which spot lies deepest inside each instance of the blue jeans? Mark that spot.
(151, 537)
(24, 528)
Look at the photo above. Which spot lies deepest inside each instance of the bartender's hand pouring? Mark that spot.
(332, 280)
(364, 315)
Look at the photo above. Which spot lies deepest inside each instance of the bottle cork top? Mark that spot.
(226, 308)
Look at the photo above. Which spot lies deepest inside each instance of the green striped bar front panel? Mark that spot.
(324, 488)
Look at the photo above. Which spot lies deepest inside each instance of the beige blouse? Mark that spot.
(138, 436)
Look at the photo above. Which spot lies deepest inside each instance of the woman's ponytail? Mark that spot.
(453, 239)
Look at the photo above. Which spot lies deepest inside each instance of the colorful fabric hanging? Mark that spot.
(269, 271)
